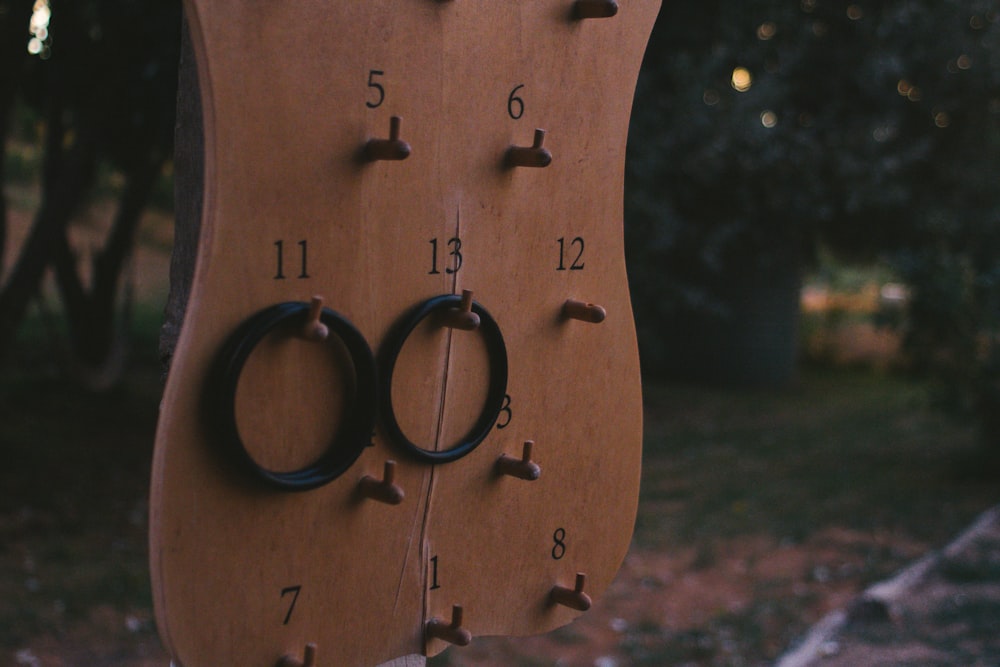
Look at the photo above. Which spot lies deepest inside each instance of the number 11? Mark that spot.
(279, 274)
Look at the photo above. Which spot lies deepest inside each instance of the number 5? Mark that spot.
(377, 87)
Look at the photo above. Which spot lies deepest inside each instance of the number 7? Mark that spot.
(294, 590)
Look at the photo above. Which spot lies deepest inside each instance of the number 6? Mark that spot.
(515, 102)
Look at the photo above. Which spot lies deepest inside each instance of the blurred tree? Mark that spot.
(951, 259)
(14, 17)
(104, 85)
(767, 128)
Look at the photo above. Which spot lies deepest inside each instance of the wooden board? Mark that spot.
(292, 93)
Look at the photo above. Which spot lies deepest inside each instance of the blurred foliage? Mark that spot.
(858, 116)
(112, 66)
(869, 129)
(94, 82)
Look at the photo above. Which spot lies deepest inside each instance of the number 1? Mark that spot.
(434, 574)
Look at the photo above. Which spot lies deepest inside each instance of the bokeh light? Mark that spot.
(741, 79)
(38, 26)
(766, 31)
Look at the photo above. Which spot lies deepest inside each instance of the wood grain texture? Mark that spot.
(284, 89)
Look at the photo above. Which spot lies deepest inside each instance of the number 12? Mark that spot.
(577, 263)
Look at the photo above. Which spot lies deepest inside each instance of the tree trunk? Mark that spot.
(752, 341)
(98, 328)
(66, 176)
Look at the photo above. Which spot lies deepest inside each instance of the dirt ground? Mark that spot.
(657, 599)
(661, 604)
(948, 619)
(944, 610)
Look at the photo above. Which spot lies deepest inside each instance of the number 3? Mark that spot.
(506, 414)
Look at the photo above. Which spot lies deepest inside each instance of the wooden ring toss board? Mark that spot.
(405, 405)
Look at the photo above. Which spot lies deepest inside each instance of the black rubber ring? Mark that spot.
(354, 433)
(497, 351)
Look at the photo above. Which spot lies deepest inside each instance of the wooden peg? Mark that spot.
(462, 317)
(529, 156)
(308, 660)
(314, 329)
(392, 148)
(594, 9)
(574, 598)
(453, 632)
(383, 490)
(585, 312)
(522, 468)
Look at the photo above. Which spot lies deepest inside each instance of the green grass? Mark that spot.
(858, 450)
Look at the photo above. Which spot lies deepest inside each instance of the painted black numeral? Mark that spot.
(559, 544)
(294, 590)
(515, 105)
(279, 273)
(379, 90)
(505, 413)
(455, 253)
(434, 574)
(577, 244)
